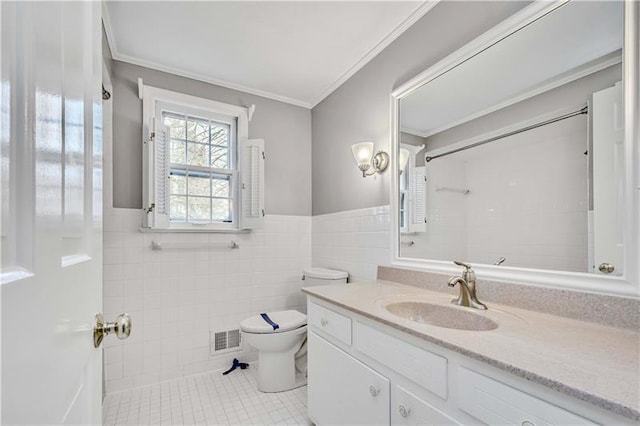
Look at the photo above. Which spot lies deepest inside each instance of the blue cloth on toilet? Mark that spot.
(268, 320)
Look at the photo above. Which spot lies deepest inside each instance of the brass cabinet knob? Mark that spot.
(606, 268)
(121, 328)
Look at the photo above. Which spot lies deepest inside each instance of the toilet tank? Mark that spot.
(323, 276)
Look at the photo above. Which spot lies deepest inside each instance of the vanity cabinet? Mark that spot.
(361, 371)
(343, 390)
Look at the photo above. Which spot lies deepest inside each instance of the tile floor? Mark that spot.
(211, 399)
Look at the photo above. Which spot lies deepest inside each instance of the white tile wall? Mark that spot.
(529, 199)
(355, 241)
(528, 202)
(175, 297)
(445, 237)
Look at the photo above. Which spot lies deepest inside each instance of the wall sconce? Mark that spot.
(403, 158)
(363, 152)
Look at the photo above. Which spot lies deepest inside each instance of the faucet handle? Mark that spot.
(464, 265)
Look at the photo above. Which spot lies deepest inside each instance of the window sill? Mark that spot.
(193, 231)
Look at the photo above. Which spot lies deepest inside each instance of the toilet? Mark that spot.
(281, 339)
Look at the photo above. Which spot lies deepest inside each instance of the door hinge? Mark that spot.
(263, 157)
(151, 208)
(263, 212)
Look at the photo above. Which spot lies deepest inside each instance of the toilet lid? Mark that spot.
(286, 320)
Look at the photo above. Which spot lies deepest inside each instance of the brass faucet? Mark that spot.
(467, 283)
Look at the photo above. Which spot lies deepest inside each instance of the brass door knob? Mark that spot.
(606, 268)
(121, 327)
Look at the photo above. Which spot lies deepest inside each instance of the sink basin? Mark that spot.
(441, 316)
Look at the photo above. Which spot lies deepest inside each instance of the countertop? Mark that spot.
(591, 362)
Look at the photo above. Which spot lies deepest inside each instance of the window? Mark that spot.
(202, 171)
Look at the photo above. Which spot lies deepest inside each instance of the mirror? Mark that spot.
(520, 147)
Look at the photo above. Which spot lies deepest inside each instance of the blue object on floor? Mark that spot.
(267, 319)
(236, 364)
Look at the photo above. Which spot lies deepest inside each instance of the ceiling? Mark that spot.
(296, 51)
(577, 38)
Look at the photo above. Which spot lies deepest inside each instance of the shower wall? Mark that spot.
(528, 201)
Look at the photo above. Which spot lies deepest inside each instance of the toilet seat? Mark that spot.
(286, 320)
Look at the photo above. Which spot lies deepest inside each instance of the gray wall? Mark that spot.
(359, 109)
(414, 140)
(285, 128)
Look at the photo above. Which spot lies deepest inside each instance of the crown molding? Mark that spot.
(413, 132)
(206, 79)
(418, 13)
(599, 64)
(116, 55)
(358, 65)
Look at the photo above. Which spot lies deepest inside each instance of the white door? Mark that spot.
(608, 175)
(51, 154)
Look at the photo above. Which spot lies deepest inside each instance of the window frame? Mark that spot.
(154, 102)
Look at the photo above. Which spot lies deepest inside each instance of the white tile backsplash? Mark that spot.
(175, 297)
(355, 241)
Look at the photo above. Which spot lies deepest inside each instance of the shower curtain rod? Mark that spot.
(584, 110)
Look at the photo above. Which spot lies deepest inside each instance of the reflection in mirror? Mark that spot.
(521, 147)
(412, 184)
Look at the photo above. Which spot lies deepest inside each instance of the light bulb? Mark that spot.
(362, 153)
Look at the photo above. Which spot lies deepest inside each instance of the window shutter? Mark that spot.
(251, 183)
(418, 211)
(156, 173)
(161, 179)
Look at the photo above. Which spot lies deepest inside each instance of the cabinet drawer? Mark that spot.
(493, 402)
(334, 324)
(423, 367)
(409, 409)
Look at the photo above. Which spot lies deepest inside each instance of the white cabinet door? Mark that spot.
(409, 409)
(51, 270)
(342, 390)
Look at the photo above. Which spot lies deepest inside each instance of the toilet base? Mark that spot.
(301, 380)
(277, 371)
